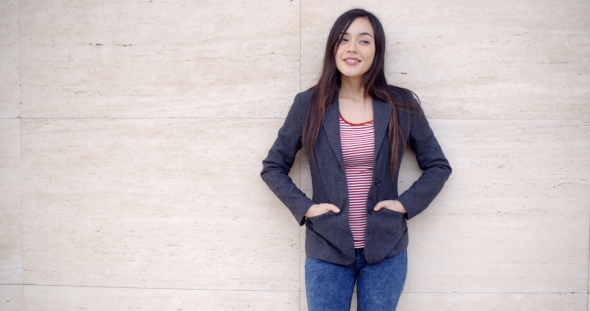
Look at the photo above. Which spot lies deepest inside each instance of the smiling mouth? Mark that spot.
(351, 61)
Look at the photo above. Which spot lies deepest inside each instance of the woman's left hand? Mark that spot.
(393, 205)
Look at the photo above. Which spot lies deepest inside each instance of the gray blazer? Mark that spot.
(328, 236)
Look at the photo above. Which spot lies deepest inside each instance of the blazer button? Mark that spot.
(377, 183)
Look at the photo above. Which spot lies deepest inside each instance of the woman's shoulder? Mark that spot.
(302, 100)
(404, 95)
(305, 96)
(407, 105)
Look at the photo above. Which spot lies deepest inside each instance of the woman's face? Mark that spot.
(356, 50)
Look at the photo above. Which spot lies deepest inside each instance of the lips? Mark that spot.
(352, 60)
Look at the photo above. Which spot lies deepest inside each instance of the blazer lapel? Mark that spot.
(331, 125)
(381, 114)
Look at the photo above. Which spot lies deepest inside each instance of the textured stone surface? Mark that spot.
(165, 59)
(11, 266)
(480, 301)
(9, 61)
(11, 298)
(106, 299)
(493, 302)
(522, 217)
(154, 203)
(514, 215)
(474, 59)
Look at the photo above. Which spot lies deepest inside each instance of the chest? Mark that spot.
(358, 143)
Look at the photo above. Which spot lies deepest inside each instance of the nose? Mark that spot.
(351, 47)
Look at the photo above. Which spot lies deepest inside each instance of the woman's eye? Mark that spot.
(343, 40)
(364, 42)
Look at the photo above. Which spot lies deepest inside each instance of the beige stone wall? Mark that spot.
(132, 131)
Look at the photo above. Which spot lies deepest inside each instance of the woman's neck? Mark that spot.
(353, 104)
(351, 88)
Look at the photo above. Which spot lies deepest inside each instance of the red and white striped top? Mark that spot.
(358, 151)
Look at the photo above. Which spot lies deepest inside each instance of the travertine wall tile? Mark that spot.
(474, 59)
(514, 214)
(492, 302)
(159, 58)
(11, 298)
(9, 62)
(106, 299)
(154, 203)
(487, 302)
(11, 265)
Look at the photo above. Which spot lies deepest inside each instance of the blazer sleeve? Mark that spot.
(280, 159)
(436, 168)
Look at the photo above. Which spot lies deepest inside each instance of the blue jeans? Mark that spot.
(329, 286)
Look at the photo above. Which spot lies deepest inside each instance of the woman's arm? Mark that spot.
(280, 159)
(436, 168)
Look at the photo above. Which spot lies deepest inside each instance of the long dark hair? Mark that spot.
(373, 82)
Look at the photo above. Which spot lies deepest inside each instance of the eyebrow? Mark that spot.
(362, 34)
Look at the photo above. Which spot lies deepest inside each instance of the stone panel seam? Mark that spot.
(300, 169)
(300, 45)
(503, 293)
(20, 166)
(262, 118)
(494, 293)
(148, 118)
(157, 288)
(19, 73)
(20, 177)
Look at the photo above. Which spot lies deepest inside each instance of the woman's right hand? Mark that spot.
(319, 209)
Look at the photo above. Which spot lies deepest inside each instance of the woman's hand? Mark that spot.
(319, 209)
(393, 205)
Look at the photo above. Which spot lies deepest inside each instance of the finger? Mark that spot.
(378, 207)
(334, 209)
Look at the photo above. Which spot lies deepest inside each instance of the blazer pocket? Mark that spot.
(386, 224)
(333, 227)
(320, 216)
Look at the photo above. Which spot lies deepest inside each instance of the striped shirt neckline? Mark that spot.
(355, 124)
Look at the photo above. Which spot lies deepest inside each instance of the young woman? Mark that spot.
(353, 128)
